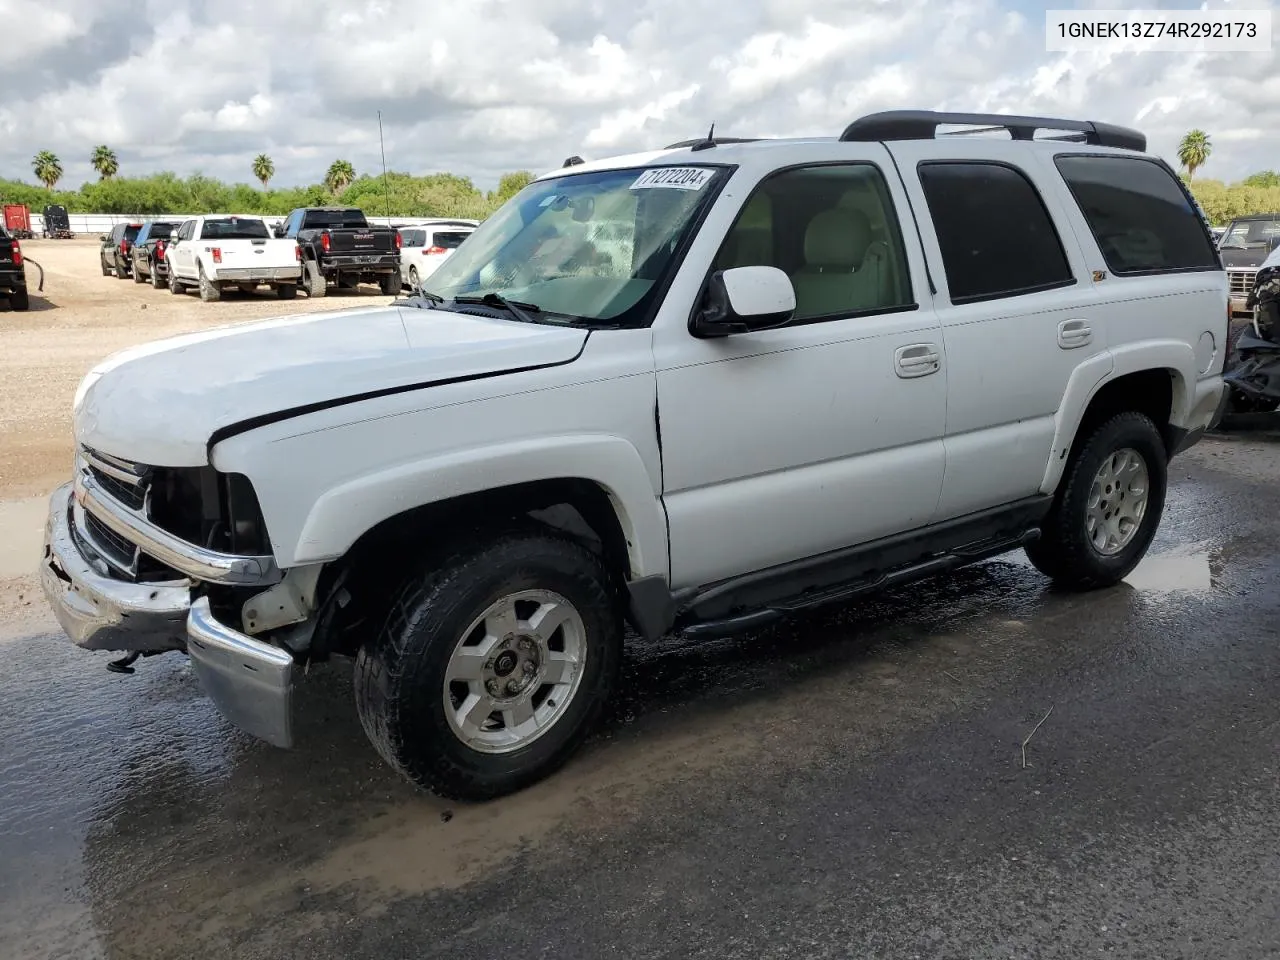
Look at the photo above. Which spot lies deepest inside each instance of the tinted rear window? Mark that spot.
(1139, 213)
(131, 232)
(996, 236)
(162, 230)
(334, 218)
(448, 240)
(233, 228)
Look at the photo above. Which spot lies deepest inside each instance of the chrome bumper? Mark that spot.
(259, 274)
(250, 682)
(97, 611)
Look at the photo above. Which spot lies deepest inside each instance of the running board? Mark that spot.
(957, 557)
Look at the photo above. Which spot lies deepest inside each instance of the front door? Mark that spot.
(784, 444)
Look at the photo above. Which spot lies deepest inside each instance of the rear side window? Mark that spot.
(996, 236)
(1140, 215)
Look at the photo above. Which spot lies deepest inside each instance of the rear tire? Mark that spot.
(316, 284)
(390, 283)
(122, 272)
(210, 292)
(287, 291)
(1107, 508)
(175, 285)
(157, 281)
(20, 300)
(414, 282)
(137, 276)
(407, 687)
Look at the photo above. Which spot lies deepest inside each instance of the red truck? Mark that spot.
(17, 220)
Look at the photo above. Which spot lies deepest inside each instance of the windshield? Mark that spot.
(590, 246)
(1250, 232)
(234, 228)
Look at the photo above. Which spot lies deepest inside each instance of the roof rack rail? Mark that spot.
(923, 125)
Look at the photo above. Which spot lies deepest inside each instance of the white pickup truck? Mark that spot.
(220, 252)
(694, 390)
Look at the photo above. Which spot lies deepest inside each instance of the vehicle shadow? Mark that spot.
(39, 304)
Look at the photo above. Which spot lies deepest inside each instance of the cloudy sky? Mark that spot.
(478, 87)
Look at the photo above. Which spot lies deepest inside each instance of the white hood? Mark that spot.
(160, 402)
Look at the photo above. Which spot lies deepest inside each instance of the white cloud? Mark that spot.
(484, 86)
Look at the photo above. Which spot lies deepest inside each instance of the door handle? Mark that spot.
(917, 360)
(1074, 333)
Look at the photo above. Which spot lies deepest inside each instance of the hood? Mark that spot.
(1239, 259)
(159, 403)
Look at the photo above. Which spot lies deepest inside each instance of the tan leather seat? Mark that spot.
(843, 272)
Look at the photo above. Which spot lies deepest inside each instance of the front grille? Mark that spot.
(131, 495)
(110, 544)
(1240, 282)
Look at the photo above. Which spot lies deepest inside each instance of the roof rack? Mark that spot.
(923, 125)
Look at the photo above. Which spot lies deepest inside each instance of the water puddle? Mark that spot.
(1185, 569)
(21, 535)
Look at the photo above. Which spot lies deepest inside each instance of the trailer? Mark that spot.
(57, 225)
(17, 220)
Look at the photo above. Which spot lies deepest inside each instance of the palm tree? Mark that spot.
(1193, 151)
(48, 168)
(263, 169)
(104, 161)
(340, 175)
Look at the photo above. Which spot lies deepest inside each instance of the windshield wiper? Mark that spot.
(516, 308)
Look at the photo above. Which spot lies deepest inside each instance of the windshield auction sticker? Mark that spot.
(674, 178)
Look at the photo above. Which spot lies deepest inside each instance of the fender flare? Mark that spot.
(341, 515)
(1175, 356)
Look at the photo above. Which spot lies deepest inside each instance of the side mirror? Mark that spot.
(173, 236)
(744, 299)
(103, 238)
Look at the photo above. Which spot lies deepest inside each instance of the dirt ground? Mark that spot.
(80, 318)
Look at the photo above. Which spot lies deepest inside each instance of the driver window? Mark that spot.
(832, 229)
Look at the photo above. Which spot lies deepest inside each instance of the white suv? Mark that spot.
(424, 246)
(790, 372)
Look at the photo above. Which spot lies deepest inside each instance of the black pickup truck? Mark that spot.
(13, 275)
(340, 246)
(147, 252)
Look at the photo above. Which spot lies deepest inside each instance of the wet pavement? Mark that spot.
(851, 784)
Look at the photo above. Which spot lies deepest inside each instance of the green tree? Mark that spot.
(104, 161)
(263, 169)
(509, 186)
(339, 176)
(1193, 151)
(48, 168)
(1266, 178)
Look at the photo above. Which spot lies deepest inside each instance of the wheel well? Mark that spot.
(1147, 391)
(363, 580)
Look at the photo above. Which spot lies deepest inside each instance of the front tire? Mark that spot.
(492, 666)
(1108, 506)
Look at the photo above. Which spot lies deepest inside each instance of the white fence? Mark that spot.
(91, 224)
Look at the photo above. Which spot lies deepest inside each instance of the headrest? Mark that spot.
(837, 238)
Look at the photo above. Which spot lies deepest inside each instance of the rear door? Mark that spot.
(1018, 310)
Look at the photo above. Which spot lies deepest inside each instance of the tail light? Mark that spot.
(435, 250)
(399, 240)
(17, 254)
(324, 242)
(159, 249)
(217, 254)
(124, 246)
(297, 252)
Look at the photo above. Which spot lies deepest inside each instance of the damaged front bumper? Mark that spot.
(249, 681)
